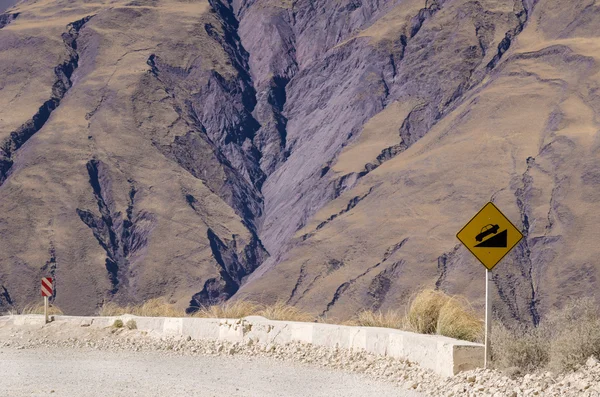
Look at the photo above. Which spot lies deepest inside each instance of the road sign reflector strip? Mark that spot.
(47, 287)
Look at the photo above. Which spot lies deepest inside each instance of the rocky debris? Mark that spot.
(5, 19)
(122, 238)
(584, 382)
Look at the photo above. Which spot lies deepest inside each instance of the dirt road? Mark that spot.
(87, 372)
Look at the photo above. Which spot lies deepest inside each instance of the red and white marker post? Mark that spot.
(47, 288)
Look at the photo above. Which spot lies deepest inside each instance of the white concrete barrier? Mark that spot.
(445, 356)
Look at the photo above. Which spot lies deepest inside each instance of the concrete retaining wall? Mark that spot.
(443, 355)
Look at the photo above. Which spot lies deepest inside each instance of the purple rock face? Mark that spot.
(201, 151)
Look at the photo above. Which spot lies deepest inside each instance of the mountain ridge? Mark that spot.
(259, 149)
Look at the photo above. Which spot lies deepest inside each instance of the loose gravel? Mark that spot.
(403, 375)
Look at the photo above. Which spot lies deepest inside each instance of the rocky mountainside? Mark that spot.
(320, 152)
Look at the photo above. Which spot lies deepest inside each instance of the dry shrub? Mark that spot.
(368, 318)
(38, 308)
(565, 339)
(157, 307)
(574, 332)
(521, 347)
(283, 312)
(230, 309)
(458, 320)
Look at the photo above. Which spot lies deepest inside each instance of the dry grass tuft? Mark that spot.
(38, 308)
(458, 320)
(111, 309)
(283, 312)
(157, 307)
(230, 309)
(424, 311)
(430, 312)
(239, 309)
(434, 312)
(389, 319)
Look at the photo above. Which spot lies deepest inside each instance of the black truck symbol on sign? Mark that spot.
(486, 231)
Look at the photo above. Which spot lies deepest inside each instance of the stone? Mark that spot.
(592, 362)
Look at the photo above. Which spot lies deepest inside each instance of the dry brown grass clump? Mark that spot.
(429, 312)
(434, 312)
(424, 311)
(229, 309)
(388, 319)
(157, 307)
(283, 312)
(239, 309)
(458, 320)
(38, 308)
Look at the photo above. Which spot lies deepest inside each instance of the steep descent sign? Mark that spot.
(489, 236)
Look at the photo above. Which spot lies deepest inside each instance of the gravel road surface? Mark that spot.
(86, 372)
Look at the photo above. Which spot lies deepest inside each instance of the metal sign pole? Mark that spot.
(488, 318)
(46, 309)
(489, 235)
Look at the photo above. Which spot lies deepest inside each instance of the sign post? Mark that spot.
(45, 310)
(47, 289)
(489, 236)
(488, 318)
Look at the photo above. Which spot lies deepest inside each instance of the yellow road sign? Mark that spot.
(489, 236)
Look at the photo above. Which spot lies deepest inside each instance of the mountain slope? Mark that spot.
(525, 136)
(324, 153)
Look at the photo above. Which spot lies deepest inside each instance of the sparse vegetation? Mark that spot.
(458, 320)
(281, 311)
(519, 349)
(131, 324)
(229, 309)
(157, 307)
(429, 312)
(38, 308)
(118, 323)
(389, 319)
(238, 309)
(574, 332)
(564, 339)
